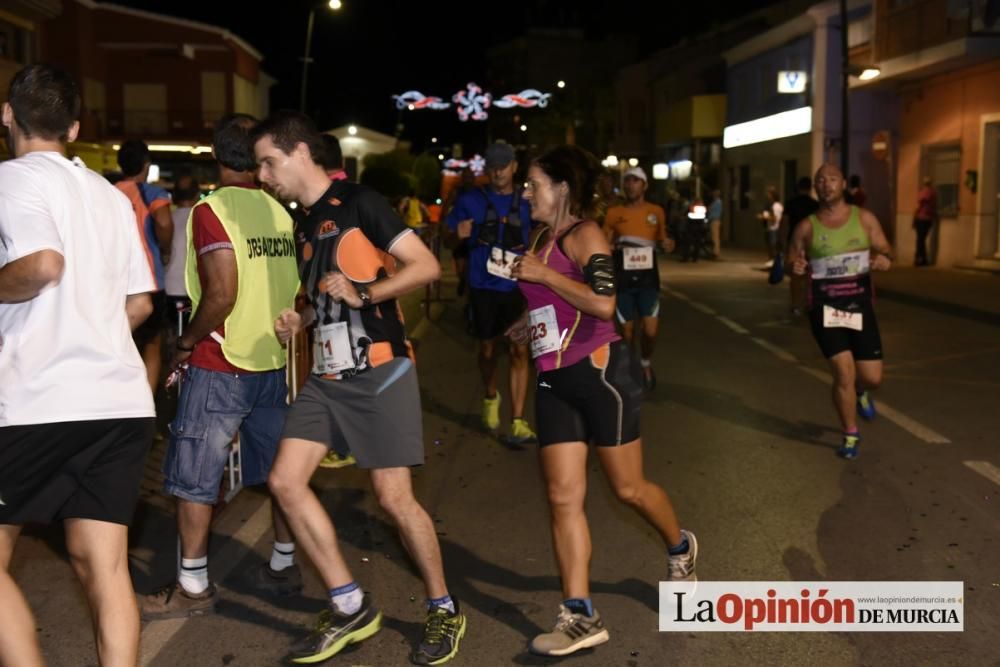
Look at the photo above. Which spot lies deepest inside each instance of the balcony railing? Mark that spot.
(155, 124)
(906, 26)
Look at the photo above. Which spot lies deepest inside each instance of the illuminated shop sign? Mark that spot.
(792, 81)
(776, 126)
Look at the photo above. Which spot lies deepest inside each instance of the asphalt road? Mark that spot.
(741, 433)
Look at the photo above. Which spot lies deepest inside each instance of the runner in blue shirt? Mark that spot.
(495, 223)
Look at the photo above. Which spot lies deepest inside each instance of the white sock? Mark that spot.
(646, 363)
(193, 576)
(347, 599)
(282, 555)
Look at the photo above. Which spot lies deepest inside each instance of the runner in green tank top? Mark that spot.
(838, 247)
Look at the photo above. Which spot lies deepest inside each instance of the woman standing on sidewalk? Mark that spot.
(588, 388)
(923, 220)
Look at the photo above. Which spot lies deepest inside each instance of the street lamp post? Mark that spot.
(847, 70)
(845, 122)
(306, 59)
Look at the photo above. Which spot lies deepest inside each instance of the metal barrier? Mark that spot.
(431, 236)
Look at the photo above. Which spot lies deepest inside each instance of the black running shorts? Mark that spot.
(494, 312)
(864, 345)
(596, 400)
(73, 470)
(153, 325)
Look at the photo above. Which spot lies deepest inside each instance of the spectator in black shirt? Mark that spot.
(797, 209)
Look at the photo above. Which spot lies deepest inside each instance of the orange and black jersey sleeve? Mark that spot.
(352, 229)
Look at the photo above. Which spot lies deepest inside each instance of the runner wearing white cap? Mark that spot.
(636, 228)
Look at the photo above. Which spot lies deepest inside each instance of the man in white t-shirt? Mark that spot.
(186, 194)
(76, 411)
(771, 219)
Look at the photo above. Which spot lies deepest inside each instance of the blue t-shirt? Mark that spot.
(715, 210)
(151, 194)
(473, 205)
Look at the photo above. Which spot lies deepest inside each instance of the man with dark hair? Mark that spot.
(799, 207)
(495, 223)
(333, 158)
(241, 275)
(362, 397)
(151, 206)
(855, 193)
(76, 412)
(186, 194)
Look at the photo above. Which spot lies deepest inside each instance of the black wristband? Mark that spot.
(182, 348)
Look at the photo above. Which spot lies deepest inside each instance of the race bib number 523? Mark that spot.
(543, 330)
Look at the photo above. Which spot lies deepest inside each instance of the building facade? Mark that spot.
(942, 60)
(149, 76)
(784, 114)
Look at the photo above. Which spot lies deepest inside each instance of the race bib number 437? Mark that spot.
(833, 318)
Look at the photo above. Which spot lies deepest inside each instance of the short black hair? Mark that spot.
(805, 183)
(231, 142)
(289, 128)
(854, 181)
(333, 157)
(45, 101)
(186, 188)
(132, 157)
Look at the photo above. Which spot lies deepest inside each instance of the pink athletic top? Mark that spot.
(579, 332)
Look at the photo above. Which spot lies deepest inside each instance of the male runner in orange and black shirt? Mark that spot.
(362, 397)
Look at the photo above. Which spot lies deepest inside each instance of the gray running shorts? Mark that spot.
(374, 416)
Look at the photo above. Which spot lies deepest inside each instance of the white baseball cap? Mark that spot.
(638, 173)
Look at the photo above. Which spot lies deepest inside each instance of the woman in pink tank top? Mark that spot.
(589, 388)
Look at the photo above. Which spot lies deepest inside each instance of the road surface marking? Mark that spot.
(157, 634)
(912, 426)
(680, 295)
(775, 350)
(986, 469)
(732, 325)
(701, 308)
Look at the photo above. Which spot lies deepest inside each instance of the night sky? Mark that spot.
(372, 49)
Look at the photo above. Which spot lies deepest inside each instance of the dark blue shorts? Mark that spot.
(637, 302)
(214, 406)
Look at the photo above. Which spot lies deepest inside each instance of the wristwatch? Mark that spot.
(364, 295)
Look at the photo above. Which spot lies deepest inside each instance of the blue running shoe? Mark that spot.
(849, 448)
(866, 406)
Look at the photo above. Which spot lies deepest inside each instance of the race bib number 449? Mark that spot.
(637, 259)
(833, 319)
